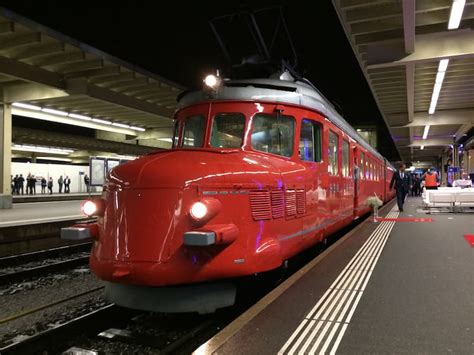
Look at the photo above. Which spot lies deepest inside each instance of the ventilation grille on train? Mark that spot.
(278, 204)
(260, 205)
(274, 204)
(290, 203)
(300, 202)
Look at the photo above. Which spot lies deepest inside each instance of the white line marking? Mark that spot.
(338, 339)
(310, 338)
(329, 339)
(320, 338)
(341, 294)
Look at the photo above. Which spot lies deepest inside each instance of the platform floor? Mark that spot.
(40, 212)
(390, 287)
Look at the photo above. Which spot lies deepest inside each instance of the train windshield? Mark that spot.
(228, 130)
(273, 134)
(193, 132)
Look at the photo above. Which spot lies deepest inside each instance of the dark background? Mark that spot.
(174, 40)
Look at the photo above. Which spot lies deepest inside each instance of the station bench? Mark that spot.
(453, 198)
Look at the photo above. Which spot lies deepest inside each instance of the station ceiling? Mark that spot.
(400, 46)
(41, 67)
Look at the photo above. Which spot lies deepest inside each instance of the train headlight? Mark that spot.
(198, 210)
(204, 210)
(211, 81)
(93, 207)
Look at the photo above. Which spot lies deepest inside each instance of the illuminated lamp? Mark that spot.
(204, 210)
(93, 207)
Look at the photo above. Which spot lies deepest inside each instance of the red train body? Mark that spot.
(275, 177)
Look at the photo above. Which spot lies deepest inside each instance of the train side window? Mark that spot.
(367, 167)
(273, 134)
(362, 166)
(176, 133)
(310, 141)
(228, 130)
(193, 132)
(345, 158)
(333, 164)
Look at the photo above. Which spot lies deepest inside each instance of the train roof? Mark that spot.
(277, 90)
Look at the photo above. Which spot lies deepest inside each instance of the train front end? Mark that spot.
(175, 227)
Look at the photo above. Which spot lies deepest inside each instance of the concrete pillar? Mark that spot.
(443, 173)
(5, 156)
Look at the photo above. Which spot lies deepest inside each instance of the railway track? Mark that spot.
(16, 268)
(106, 329)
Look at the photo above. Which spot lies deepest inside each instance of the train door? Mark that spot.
(347, 192)
(334, 170)
(355, 173)
(310, 154)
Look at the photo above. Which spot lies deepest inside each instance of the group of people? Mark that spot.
(18, 184)
(404, 183)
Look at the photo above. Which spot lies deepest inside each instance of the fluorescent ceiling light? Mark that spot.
(165, 140)
(29, 107)
(440, 77)
(456, 14)
(422, 147)
(54, 112)
(425, 132)
(36, 149)
(80, 117)
(141, 129)
(98, 120)
(117, 124)
(72, 119)
(443, 64)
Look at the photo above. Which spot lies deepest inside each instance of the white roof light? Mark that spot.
(117, 124)
(80, 117)
(425, 132)
(456, 14)
(36, 149)
(440, 77)
(141, 129)
(27, 106)
(98, 120)
(422, 147)
(54, 112)
(443, 65)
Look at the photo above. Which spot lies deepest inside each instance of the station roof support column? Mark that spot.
(5, 156)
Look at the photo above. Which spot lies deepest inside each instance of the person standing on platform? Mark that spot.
(60, 183)
(87, 182)
(43, 185)
(431, 179)
(21, 181)
(15, 185)
(33, 185)
(67, 182)
(28, 184)
(50, 185)
(402, 183)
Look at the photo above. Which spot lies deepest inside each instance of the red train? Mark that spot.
(259, 171)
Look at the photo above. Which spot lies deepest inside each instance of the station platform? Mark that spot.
(40, 213)
(53, 197)
(403, 284)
